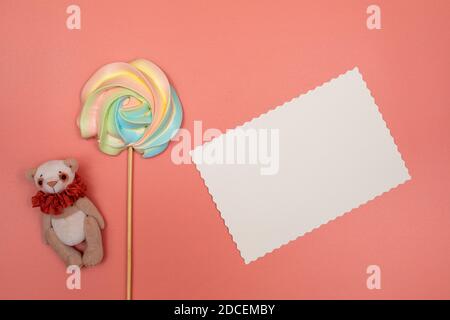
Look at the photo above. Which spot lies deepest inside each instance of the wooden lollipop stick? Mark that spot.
(129, 224)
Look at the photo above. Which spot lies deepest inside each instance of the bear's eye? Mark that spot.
(63, 176)
(40, 182)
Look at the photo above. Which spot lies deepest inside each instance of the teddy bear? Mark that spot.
(71, 224)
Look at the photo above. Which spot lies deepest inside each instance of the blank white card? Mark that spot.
(334, 153)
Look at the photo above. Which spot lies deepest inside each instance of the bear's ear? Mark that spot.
(72, 164)
(30, 174)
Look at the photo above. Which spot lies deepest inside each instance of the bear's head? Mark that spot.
(53, 176)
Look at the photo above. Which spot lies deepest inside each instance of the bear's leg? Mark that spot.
(94, 250)
(69, 255)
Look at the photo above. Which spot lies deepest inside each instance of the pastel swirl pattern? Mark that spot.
(130, 104)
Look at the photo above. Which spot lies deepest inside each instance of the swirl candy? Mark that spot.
(130, 105)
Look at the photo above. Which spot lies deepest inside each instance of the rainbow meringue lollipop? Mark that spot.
(130, 106)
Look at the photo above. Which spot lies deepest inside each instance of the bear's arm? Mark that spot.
(46, 224)
(86, 205)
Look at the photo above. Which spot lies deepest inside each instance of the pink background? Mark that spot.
(230, 61)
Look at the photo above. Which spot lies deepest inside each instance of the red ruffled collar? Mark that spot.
(55, 203)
